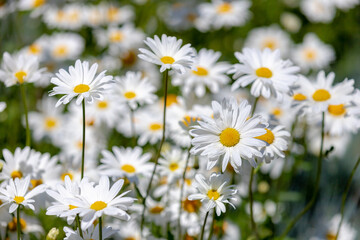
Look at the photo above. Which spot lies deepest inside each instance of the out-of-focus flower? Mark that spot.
(65, 46)
(91, 233)
(318, 10)
(291, 22)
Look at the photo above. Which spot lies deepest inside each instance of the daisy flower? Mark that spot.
(91, 233)
(118, 15)
(318, 10)
(213, 193)
(168, 53)
(270, 75)
(2, 106)
(209, 73)
(345, 4)
(16, 194)
(229, 136)
(98, 200)
(313, 53)
(20, 68)
(15, 165)
(79, 82)
(134, 89)
(126, 162)
(65, 46)
(172, 164)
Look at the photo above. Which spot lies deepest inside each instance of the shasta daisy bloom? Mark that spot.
(268, 73)
(208, 74)
(20, 68)
(79, 82)
(95, 201)
(229, 136)
(15, 165)
(318, 10)
(65, 46)
(16, 193)
(126, 162)
(134, 89)
(168, 53)
(172, 164)
(91, 233)
(213, 193)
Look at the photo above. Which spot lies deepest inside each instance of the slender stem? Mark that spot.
(23, 97)
(251, 200)
(166, 78)
(182, 191)
(254, 106)
(203, 227)
(18, 223)
(78, 224)
(345, 195)
(317, 183)
(83, 140)
(132, 125)
(212, 226)
(100, 228)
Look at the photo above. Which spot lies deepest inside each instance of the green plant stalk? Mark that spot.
(212, 226)
(83, 140)
(166, 80)
(345, 195)
(132, 125)
(203, 227)
(100, 228)
(317, 183)
(23, 97)
(78, 224)
(18, 224)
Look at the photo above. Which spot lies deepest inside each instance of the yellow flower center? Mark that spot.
(34, 49)
(71, 176)
(267, 137)
(129, 59)
(60, 51)
(191, 206)
(130, 95)
(13, 224)
(16, 174)
(116, 36)
(173, 166)
(321, 95)
(264, 72)
(229, 137)
(310, 54)
(102, 104)
(269, 43)
(330, 236)
(20, 75)
(50, 123)
(155, 127)
(277, 111)
(337, 110)
(38, 3)
(299, 97)
(98, 205)
(128, 168)
(19, 199)
(81, 88)
(167, 60)
(112, 13)
(171, 99)
(224, 8)
(60, 15)
(35, 182)
(156, 209)
(201, 72)
(213, 194)
(71, 207)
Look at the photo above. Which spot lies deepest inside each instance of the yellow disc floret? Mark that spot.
(224, 8)
(267, 137)
(299, 97)
(167, 60)
(173, 166)
(19, 199)
(16, 174)
(130, 95)
(213, 194)
(102, 104)
(20, 75)
(321, 95)
(264, 72)
(337, 110)
(155, 126)
(201, 72)
(81, 88)
(156, 209)
(98, 205)
(229, 137)
(128, 168)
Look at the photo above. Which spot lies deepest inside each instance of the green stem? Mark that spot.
(317, 183)
(212, 226)
(18, 223)
(132, 125)
(100, 228)
(23, 97)
(203, 227)
(166, 79)
(78, 224)
(83, 140)
(182, 191)
(251, 200)
(345, 195)
(254, 106)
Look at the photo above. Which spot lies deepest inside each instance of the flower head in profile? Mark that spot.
(16, 194)
(168, 53)
(268, 73)
(230, 135)
(79, 82)
(213, 193)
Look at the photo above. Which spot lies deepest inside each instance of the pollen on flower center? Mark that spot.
(20, 75)
(156, 209)
(98, 205)
(71, 207)
(321, 95)
(19, 199)
(213, 194)
(130, 95)
(310, 54)
(167, 60)
(267, 137)
(229, 137)
(224, 8)
(337, 110)
(66, 174)
(173, 166)
(116, 36)
(34, 49)
(277, 111)
(35, 182)
(81, 88)
(155, 126)
(299, 97)
(60, 51)
(102, 104)
(128, 168)
(38, 3)
(269, 43)
(264, 72)
(201, 71)
(50, 123)
(16, 174)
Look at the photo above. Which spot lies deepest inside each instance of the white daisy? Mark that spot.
(15, 165)
(229, 136)
(2, 106)
(65, 46)
(69, 17)
(318, 10)
(80, 82)
(209, 73)
(16, 194)
(168, 53)
(172, 164)
(118, 15)
(91, 233)
(346, 4)
(213, 193)
(270, 75)
(20, 68)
